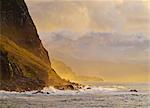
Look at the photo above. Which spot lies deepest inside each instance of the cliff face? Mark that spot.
(18, 26)
(24, 63)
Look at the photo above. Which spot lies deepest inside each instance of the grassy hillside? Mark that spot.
(24, 66)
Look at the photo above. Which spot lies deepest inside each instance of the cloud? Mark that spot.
(129, 16)
(105, 16)
(99, 46)
(73, 19)
(59, 15)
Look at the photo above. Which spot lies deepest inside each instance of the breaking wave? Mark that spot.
(85, 90)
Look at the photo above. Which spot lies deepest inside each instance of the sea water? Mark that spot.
(97, 95)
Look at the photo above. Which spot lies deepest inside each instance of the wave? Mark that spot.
(109, 89)
(85, 90)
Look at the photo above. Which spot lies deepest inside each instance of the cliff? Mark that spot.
(24, 62)
(17, 25)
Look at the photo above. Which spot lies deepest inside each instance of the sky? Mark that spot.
(98, 15)
(97, 34)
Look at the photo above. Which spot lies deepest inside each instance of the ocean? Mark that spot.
(97, 95)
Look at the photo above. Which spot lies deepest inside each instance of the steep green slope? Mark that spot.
(20, 69)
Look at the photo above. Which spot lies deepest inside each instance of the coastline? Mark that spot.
(99, 97)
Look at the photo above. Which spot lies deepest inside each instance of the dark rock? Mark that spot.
(65, 87)
(4, 64)
(133, 90)
(88, 88)
(70, 87)
(39, 91)
(47, 93)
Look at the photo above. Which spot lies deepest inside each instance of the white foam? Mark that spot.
(85, 90)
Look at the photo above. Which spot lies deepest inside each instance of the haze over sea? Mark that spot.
(97, 95)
